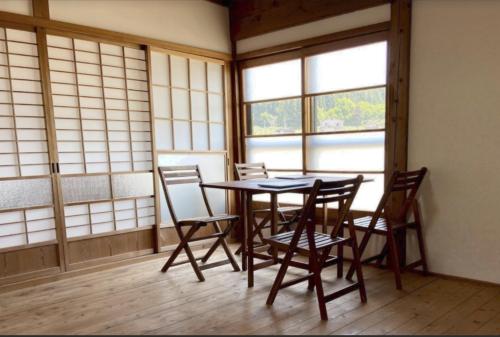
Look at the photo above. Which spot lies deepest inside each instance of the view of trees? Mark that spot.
(356, 110)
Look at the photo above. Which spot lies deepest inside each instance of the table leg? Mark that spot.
(274, 222)
(243, 217)
(249, 238)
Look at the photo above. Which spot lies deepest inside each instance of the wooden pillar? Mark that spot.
(40, 8)
(398, 96)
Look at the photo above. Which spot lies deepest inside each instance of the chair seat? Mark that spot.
(287, 209)
(381, 225)
(203, 221)
(282, 241)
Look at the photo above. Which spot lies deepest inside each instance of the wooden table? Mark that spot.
(250, 187)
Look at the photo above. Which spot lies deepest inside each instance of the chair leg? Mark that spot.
(421, 247)
(362, 247)
(316, 269)
(222, 241)
(184, 245)
(393, 251)
(279, 277)
(257, 231)
(310, 282)
(356, 262)
(420, 237)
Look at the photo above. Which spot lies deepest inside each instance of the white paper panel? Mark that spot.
(199, 106)
(200, 136)
(215, 76)
(179, 71)
(180, 103)
(159, 67)
(217, 137)
(216, 107)
(182, 135)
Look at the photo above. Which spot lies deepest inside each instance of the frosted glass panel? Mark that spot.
(132, 185)
(182, 135)
(187, 200)
(276, 152)
(85, 188)
(25, 193)
(350, 68)
(275, 80)
(346, 152)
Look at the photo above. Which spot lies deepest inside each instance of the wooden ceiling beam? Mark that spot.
(255, 17)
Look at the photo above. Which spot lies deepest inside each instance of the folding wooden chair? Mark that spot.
(392, 224)
(287, 215)
(317, 246)
(175, 175)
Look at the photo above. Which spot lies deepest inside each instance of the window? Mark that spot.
(343, 104)
(188, 102)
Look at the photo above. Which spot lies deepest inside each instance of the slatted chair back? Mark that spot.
(246, 171)
(342, 192)
(407, 183)
(177, 175)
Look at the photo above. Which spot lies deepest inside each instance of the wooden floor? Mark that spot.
(139, 299)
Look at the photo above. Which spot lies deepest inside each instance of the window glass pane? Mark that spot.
(346, 152)
(355, 110)
(350, 68)
(272, 81)
(276, 152)
(275, 117)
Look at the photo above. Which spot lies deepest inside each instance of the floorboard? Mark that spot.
(139, 299)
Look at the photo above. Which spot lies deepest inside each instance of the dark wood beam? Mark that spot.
(254, 17)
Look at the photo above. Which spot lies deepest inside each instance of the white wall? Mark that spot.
(455, 131)
(16, 6)
(196, 23)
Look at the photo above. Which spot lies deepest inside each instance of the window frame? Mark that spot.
(306, 99)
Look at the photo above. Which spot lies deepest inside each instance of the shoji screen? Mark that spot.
(26, 198)
(188, 101)
(103, 132)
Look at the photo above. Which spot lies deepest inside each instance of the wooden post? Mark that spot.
(398, 86)
(40, 8)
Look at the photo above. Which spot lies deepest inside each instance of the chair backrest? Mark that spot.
(246, 171)
(176, 175)
(407, 183)
(343, 192)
